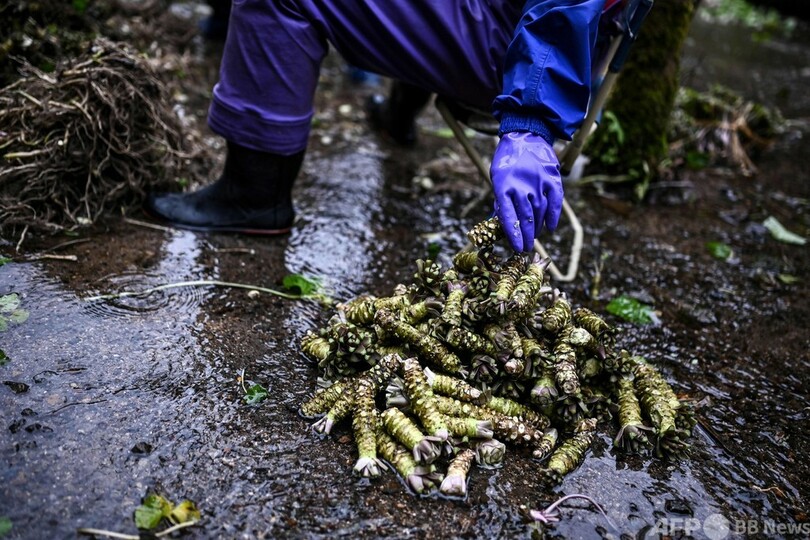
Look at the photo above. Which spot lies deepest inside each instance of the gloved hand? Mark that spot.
(528, 188)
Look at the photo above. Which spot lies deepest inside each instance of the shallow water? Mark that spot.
(143, 393)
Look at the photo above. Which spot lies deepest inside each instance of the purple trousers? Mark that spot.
(272, 57)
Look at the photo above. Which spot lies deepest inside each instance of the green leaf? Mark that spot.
(147, 518)
(788, 279)
(184, 512)
(18, 316)
(9, 302)
(697, 160)
(444, 133)
(301, 285)
(4, 260)
(433, 250)
(3, 358)
(719, 250)
(631, 310)
(255, 394)
(5, 525)
(779, 232)
(154, 508)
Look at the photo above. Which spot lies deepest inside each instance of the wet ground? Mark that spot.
(104, 401)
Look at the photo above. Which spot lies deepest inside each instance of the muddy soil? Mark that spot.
(104, 401)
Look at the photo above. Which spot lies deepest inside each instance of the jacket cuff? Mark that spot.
(514, 122)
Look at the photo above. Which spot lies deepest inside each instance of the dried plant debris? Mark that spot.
(466, 371)
(89, 138)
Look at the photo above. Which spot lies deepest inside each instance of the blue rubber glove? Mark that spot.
(528, 188)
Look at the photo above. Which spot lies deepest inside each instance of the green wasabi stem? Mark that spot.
(514, 366)
(382, 371)
(395, 303)
(570, 409)
(514, 342)
(686, 419)
(515, 430)
(508, 347)
(544, 392)
(598, 402)
(425, 449)
(568, 456)
(455, 482)
(594, 324)
(661, 405)
(559, 315)
(466, 261)
(455, 388)
(504, 427)
(416, 478)
(546, 445)
(395, 394)
(430, 307)
(474, 263)
(511, 271)
(565, 367)
(485, 233)
(618, 363)
(339, 410)
(384, 349)
(583, 340)
(316, 347)
(534, 349)
(631, 437)
(364, 424)
(473, 310)
(323, 398)
(489, 453)
(428, 277)
(509, 388)
(352, 340)
(533, 368)
(528, 289)
(428, 348)
(467, 341)
(423, 402)
(672, 445)
(656, 402)
(590, 368)
(359, 310)
(456, 291)
(513, 408)
(469, 428)
(483, 368)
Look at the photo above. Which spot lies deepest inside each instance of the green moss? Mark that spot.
(644, 95)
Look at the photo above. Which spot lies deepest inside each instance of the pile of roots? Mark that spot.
(476, 358)
(90, 138)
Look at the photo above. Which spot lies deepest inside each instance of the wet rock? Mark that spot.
(17, 426)
(37, 427)
(17, 387)
(142, 448)
(678, 506)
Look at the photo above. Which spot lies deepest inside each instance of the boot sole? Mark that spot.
(251, 231)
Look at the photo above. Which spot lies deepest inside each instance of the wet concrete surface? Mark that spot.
(118, 398)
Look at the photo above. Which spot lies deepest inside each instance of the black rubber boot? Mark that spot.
(396, 115)
(253, 196)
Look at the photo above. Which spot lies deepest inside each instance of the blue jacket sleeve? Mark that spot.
(547, 70)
